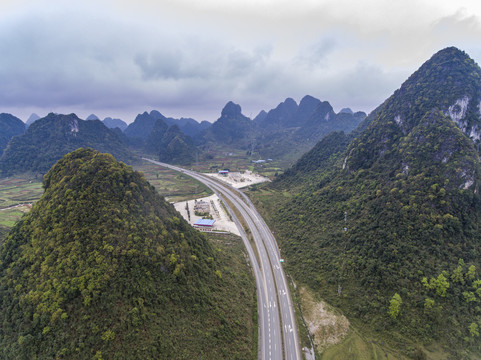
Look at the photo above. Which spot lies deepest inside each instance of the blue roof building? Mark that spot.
(204, 222)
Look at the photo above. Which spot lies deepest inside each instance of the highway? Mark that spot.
(278, 337)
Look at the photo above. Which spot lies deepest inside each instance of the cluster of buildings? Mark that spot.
(203, 207)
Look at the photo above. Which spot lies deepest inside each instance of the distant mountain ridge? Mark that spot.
(170, 144)
(143, 124)
(152, 133)
(232, 128)
(49, 138)
(140, 129)
(189, 126)
(113, 123)
(92, 117)
(284, 132)
(291, 129)
(31, 119)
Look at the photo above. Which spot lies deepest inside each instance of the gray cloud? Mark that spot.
(461, 28)
(161, 65)
(316, 54)
(189, 58)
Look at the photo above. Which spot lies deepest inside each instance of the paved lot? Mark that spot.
(239, 180)
(222, 220)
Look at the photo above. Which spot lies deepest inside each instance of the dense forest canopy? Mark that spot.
(102, 266)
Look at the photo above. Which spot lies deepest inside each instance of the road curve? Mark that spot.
(278, 337)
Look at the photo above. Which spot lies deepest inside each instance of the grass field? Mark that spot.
(235, 160)
(21, 189)
(8, 217)
(171, 184)
(354, 347)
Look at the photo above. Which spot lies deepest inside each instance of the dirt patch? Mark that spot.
(240, 180)
(326, 327)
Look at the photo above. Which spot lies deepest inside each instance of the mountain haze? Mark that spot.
(189, 126)
(113, 123)
(284, 132)
(92, 117)
(291, 129)
(31, 119)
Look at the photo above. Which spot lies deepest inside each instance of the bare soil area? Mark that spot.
(326, 327)
(240, 179)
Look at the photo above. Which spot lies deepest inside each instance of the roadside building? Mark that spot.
(204, 224)
(202, 207)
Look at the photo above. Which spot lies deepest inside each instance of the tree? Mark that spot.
(428, 304)
(473, 329)
(457, 275)
(440, 284)
(395, 306)
(471, 273)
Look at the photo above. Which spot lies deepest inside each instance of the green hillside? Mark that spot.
(103, 267)
(10, 126)
(386, 226)
(53, 136)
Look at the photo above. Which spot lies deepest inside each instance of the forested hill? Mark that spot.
(49, 138)
(103, 267)
(10, 126)
(170, 144)
(391, 218)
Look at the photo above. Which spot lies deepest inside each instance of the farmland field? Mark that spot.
(9, 216)
(18, 190)
(171, 184)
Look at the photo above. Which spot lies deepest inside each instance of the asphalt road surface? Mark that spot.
(278, 337)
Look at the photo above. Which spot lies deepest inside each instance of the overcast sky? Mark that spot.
(189, 58)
